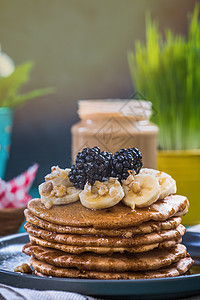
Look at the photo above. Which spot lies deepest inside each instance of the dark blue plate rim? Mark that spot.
(187, 284)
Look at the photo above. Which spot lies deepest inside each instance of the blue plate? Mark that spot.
(165, 288)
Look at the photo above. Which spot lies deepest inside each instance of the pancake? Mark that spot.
(176, 269)
(144, 228)
(102, 250)
(152, 260)
(95, 241)
(118, 216)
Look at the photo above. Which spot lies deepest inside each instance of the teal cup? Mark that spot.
(6, 122)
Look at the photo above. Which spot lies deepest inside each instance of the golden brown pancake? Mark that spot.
(152, 260)
(144, 228)
(96, 241)
(176, 269)
(115, 243)
(102, 250)
(118, 216)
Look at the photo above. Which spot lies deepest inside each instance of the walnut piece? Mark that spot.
(59, 191)
(136, 188)
(24, 268)
(103, 190)
(57, 172)
(128, 235)
(46, 188)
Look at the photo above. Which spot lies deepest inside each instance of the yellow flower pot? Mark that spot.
(184, 167)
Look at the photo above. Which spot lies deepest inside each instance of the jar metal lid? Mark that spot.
(138, 109)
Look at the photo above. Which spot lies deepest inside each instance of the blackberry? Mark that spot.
(91, 164)
(125, 160)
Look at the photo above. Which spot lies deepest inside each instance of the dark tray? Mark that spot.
(166, 288)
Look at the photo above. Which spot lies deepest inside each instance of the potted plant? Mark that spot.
(166, 70)
(11, 81)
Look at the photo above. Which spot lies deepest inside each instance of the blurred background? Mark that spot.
(80, 48)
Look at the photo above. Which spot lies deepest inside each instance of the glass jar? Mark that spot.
(114, 124)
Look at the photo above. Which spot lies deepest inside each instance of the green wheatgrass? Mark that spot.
(166, 70)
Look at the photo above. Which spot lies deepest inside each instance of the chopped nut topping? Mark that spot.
(46, 188)
(128, 235)
(24, 268)
(57, 172)
(59, 176)
(103, 190)
(59, 191)
(136, 188)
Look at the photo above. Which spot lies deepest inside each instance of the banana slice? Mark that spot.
(140, 190)
(57, 188)
(102, 194)
(58, 195)
(166, 182)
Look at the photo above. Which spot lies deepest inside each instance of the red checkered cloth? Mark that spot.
(14, 193)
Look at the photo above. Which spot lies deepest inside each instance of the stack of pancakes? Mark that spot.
(115, 243)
